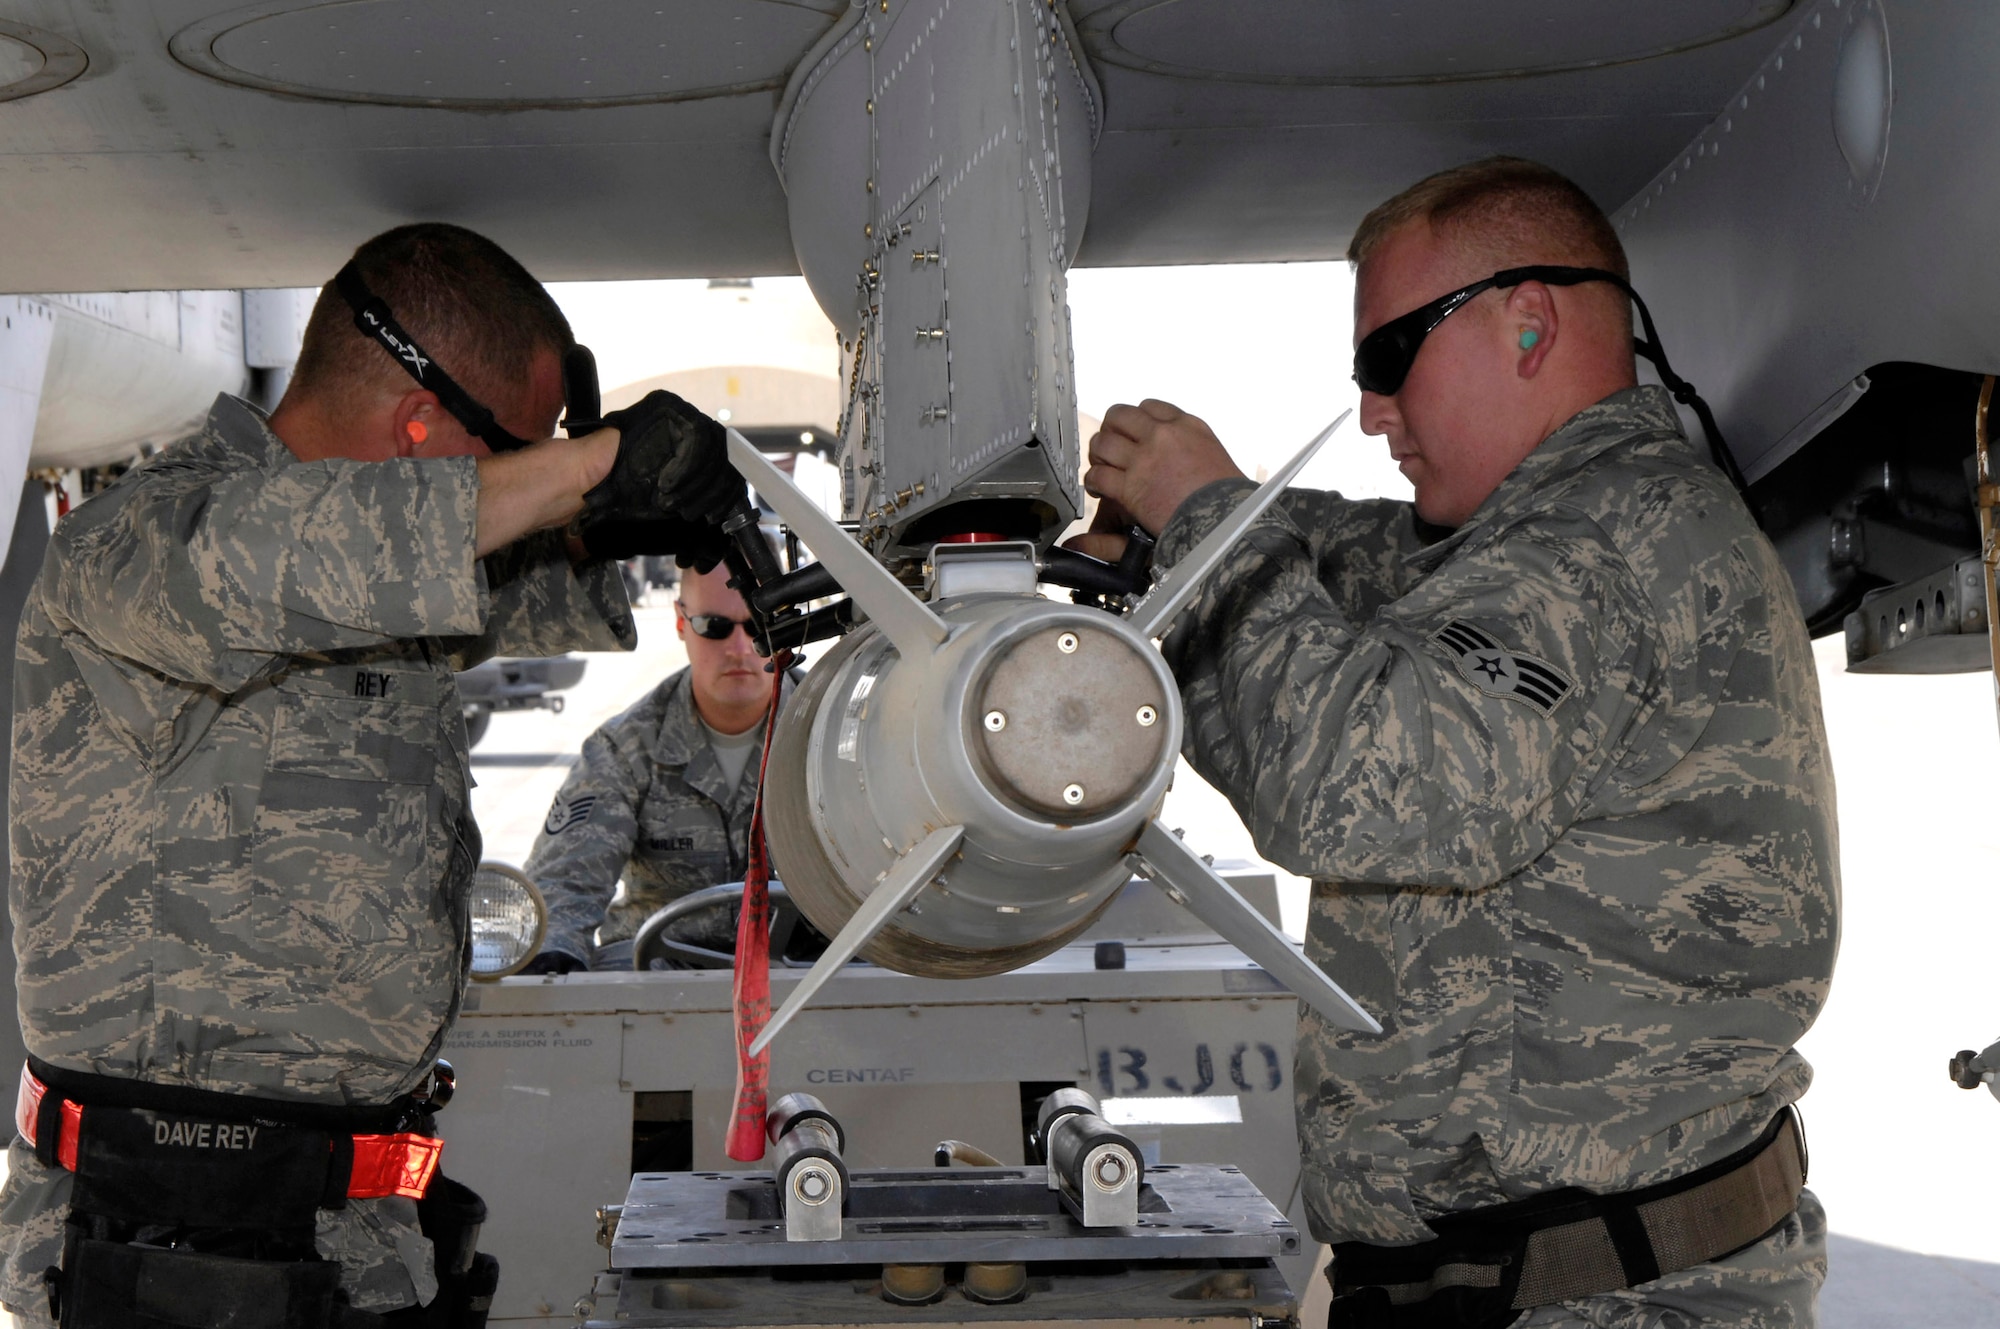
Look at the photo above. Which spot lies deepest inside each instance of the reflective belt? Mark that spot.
(403, 1163)
(28, 1111)
(400, 1164)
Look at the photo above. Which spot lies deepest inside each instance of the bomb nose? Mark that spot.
(1066, 722)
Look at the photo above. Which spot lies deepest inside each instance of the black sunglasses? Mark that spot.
(717, 627)
(372, 316)
(1383, 358)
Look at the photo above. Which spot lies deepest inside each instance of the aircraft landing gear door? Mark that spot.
(1989, 528)
(913, 333)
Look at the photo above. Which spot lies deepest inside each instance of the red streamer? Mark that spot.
(751, 994)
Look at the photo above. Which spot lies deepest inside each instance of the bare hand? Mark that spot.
(1106, 538)
(1144, 463)
(595, 453)
(539, 487)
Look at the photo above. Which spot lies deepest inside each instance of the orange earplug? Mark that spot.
(416, 431)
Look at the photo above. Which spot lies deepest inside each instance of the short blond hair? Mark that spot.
(1504, 212)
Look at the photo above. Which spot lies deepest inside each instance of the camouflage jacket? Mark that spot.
(241, 838)
(647, 801)
(1562, 783)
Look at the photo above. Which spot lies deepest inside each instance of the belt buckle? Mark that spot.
(28, 1104)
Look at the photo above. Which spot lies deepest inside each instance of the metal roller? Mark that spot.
(794, 1110)
(1097, 1169)
(1057, 1105)
(811, 1177)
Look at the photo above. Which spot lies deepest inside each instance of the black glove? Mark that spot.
(673, 461)
(693, 544)
(553, 962)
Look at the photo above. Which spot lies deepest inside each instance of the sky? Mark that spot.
(1900, 1156)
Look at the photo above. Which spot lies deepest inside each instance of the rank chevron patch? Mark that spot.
(564, 815)
(1499, 672)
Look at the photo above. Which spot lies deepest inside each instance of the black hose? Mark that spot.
(796, 630)
(811, 582)
(1081, 572)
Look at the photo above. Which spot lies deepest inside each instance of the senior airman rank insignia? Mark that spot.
(1499, 672)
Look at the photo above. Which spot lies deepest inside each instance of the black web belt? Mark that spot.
(193, 1208)
(118, 1091)
(145, 1152)
(1488, 1265)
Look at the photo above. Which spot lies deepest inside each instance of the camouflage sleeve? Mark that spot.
(1446, 740)
(211, 580)
(539, 604)
(1359, 547)
(591, 830)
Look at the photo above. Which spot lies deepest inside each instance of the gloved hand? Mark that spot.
(693, 544)
(673, 461)
(553, 962)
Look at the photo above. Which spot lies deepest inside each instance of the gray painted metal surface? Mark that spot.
(692, 1220)
(879, 750)
(213, 144)
(1779, 269)
(132, 368)
(936, 160)
(1935, 625)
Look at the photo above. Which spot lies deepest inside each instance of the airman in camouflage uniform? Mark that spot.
(1561, 782)
(663, 794)
(240, 829)
(649, 800)
(241, 834)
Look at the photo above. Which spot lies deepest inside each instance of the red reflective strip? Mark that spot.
(28, 1109)
(28, 1105)
(401, 1164)
(72, 1123)
(972, 538)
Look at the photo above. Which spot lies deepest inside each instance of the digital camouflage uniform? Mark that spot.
(647, 801)
(1562, 784)
(240, 829)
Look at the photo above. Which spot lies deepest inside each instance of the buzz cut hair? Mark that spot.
(472, 307)
(1500, 212)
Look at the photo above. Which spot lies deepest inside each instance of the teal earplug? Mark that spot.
(1528, 338)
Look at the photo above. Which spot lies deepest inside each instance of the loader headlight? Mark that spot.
(508, 920)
